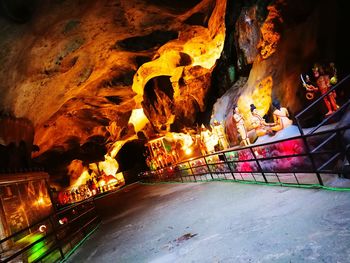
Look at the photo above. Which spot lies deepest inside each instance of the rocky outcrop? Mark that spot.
(78, 70)
(280, 47)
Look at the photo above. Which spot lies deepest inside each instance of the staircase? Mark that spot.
(334, 139)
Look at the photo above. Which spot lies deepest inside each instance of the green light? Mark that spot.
(38, 249)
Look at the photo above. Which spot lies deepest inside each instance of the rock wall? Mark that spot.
(280, 45)
(79, 69)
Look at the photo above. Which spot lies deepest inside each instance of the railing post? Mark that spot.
(178, 172)
(343, 147)
(211, 175)
(299, 126)
(54, 229)
(257, 162)
(309, 154)
(192, 171)
(229, 166)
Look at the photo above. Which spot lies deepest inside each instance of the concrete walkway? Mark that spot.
(220, 222)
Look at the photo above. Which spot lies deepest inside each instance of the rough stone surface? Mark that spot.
(220, 222)
(71, 68)
(278, 59)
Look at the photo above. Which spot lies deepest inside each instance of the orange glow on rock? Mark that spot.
(269, 36)
(138, 119)
(191, 59)
(260, 97)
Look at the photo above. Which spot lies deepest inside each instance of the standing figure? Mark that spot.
(280, 117)
(258, 123)
(219, 130)
(208, 140)
(238, 119)
(323, 84)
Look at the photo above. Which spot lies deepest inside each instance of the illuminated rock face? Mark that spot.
(278, 46)
(92, 75)
(78, 70)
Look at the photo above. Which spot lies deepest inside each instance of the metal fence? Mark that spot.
(312, 158)
(53, 238)
(297, 161)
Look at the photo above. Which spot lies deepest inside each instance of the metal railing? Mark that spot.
(307, 159)
(53, 238)
(343, 84)
(294, 161)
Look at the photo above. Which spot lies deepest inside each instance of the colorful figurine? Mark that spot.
(219, 130)
(323, 84)
(208, 140)
(280, 117)
(238, 119)
(259, 124)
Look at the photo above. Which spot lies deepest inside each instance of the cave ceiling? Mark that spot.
(93, 74)
(78, 69)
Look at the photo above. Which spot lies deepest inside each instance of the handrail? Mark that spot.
(329, 117)
(311, 167)
(85, 215)
(346, 127)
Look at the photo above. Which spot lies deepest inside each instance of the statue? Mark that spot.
(208, 140)
(280, 117)
(259, 124)
(323, 85)
(238, 119)
(219, 131)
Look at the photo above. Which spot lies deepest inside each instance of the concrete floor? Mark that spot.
(220, 222)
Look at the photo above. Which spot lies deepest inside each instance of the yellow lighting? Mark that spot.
(102, 183)
(40, 201)
(260, 97)
(138, 119)
(188, 151)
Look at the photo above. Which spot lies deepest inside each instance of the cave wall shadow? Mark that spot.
(131, 160)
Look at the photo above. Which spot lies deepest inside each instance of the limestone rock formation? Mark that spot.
(79, 69)
(280, 46)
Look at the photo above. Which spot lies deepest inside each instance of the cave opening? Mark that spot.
(159, 86)
(131, 160)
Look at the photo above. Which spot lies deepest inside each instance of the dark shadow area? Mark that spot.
(157, 88)
(115, 99)
(56, 160)
(19, 11)
(119, 78)
(177, 6)
(140, 60)
(152, 40)
(131, 160)
(199, 19)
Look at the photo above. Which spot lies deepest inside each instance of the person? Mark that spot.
(218, 129)
(323, 85)
(258, 123)
(280, 117)
(239, 121)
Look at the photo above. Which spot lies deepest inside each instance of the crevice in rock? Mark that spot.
(115, 99)
(176, 7)
(155, 39)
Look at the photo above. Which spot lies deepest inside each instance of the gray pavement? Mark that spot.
(220, 222)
